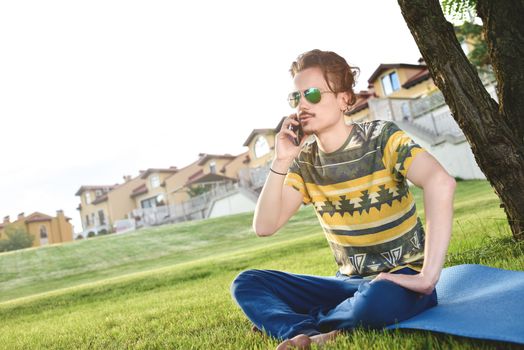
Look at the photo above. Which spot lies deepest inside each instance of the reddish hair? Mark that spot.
(340, 77)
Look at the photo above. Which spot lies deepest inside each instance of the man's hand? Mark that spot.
(418, 283)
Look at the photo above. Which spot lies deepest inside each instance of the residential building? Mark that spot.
(44, 228)
(407, 95)
(152, 192)
(94, 209)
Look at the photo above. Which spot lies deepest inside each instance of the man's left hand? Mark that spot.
(418, 283)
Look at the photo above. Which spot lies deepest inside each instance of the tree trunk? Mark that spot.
(495, 133)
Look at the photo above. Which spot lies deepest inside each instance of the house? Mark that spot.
(94, 209)
(152, 192)
(407, 95)
(44, 228)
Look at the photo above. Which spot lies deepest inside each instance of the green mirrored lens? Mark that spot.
(293, 99)
(312, 95)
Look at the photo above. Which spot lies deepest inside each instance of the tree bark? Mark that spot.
(495, 133)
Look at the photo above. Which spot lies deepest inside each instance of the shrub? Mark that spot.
(17, 238)
(79, 237)
(91, 234)
(102, 232)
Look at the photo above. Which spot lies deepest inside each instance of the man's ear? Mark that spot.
(346, 98)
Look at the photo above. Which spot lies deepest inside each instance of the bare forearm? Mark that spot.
(268, 208)
(438, 207)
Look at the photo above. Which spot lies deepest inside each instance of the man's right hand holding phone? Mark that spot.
(286, 147)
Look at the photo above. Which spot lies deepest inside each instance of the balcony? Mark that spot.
(192, 209)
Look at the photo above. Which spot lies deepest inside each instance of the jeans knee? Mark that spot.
(374, 304)
(245, 279)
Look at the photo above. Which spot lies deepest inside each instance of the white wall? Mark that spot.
(232, 204)
(457, 159)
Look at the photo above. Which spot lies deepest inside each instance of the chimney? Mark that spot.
(21, 216)
(6, 220)
(127, 178)
(59, 213)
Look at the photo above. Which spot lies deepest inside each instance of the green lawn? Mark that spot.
(168, 287)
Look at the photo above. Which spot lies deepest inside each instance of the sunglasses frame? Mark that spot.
(294, 97)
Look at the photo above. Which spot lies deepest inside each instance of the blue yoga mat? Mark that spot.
(476, 301)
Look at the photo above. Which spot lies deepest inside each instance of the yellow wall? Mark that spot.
(177, 181)
(421, 89)
(88, 209)
(120, 202)
(153, 192)
(219, 164)
(234, 166)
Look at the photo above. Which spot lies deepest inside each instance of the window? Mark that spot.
(212, 167)
(93, 219)
(160, 200)
(87, 221)
(101, 217)
(153, 202)
(390, 83)
(155, 181)
(88, 198)
(261, 147)
(98, 193)
(43, 235)
(43, 232)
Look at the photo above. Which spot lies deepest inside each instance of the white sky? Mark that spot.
(94, 90)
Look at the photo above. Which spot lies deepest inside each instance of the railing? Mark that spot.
(253, 178)
(429, 114)
(194, 208)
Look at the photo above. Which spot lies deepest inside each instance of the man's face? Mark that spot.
(317, 117)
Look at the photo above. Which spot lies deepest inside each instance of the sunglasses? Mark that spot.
(312, 95)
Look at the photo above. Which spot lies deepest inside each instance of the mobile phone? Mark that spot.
(297, 129)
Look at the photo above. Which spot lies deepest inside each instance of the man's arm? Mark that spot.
(276, 203)
(439, 188)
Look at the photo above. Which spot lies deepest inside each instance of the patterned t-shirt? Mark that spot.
(362, 199)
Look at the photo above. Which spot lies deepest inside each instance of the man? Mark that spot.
(355, 175)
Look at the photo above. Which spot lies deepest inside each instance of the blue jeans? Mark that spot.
(284, 304)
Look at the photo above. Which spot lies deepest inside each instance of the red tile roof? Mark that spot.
(210, 177)
(38, 217)
(100, 199)
(362, 102)
(145, 173)
(417, 78)
(204, 157)
(255, 132)
(139, 190)
(82, 189)
(386, 66)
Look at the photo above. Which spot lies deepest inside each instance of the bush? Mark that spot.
(90, 234)
(17, 238)
(102, 232)
(79, 237)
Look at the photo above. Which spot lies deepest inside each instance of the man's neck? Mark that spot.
(331, 140)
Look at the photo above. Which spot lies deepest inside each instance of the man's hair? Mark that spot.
(339, 76)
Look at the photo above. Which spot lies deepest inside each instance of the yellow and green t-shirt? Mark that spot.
(362, 199)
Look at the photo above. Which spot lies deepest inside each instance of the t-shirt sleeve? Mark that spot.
(294, 179)
(398, 150)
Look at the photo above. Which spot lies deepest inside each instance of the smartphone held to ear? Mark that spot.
(297, 129)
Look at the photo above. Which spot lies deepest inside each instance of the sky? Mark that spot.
(91, 91)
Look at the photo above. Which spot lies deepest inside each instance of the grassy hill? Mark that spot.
(168, 287)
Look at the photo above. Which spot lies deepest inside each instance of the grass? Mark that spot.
(168, 287)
